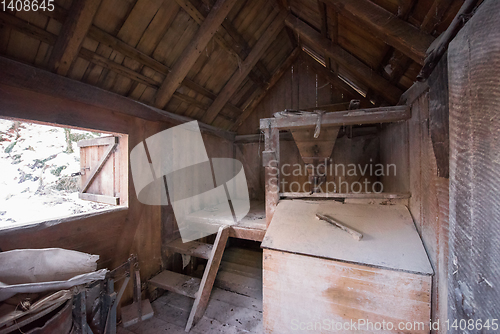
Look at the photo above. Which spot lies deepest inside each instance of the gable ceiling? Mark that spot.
(215, 60)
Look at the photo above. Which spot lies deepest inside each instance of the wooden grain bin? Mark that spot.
(318, 279)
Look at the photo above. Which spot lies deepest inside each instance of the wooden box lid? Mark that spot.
(390, 239)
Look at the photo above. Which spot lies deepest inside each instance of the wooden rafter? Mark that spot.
(404, 8)
(191, 53)
(73, 32)
(333, 32)
(344, 59)
(334, 80)
(109, 64)
(386, 26)
(125, 49)
(239, 48)
(240, 74)
(435, 15)
(323, 15)
(247, 111)
(398, 61)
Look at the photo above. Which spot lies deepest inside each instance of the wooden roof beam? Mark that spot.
(386, 26)
(94, 58)
(435, 15)
(404, 8)
(72, 34)
(191, 53)
(339, 118)
(241, 73)
(239, 48)
(274, 79)
(323, 15)
(125, 49)
(344, 59)
(334, 80)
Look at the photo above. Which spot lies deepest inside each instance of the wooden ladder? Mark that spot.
(193, 287)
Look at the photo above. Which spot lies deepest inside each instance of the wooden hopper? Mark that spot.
(316, 152)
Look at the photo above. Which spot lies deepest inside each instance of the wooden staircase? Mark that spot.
(199, 289)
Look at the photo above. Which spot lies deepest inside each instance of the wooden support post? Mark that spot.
(272, 172)
(72, 34)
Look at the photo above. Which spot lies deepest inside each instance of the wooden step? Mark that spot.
(193, 248)
(178, 283)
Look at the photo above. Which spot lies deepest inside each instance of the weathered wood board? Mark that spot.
(304, 294)
(390, 239)
(316, 276)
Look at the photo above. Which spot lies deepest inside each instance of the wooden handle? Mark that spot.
(356, 235)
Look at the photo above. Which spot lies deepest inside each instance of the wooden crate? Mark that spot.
(317, 277)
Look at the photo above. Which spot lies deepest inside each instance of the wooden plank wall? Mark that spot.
(330, 291)
(410, 146)
(299, 88)
(357, 150)
(475, 167)
(114, 235)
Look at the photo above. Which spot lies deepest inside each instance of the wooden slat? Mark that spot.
(100, 165)
(232, 85)
(189, 56)
(208, 279)
(178, 283)
(193, 248)
(350, 63)
(274, 79)
(387, 26)
(72, 34)
(348, 117)
(97, 141)
(100, 198)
